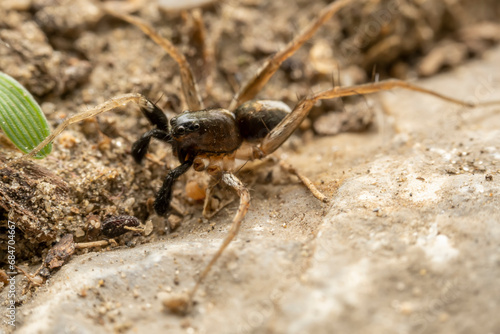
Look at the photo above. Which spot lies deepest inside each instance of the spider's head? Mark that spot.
(211, 131)
(184, 126)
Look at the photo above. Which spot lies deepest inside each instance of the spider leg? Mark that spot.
(309, 185)
(287, 126)
(255, 84)
(280, 133)
(164, 196)
(208, 197)
(156, 117)
(111, 104)
(189, 87)
(255, 120)
(181, 304)
(244, 195)
(374, 87)
(140, 146)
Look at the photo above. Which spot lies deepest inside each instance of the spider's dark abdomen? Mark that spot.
(256, 118)
(205, 131)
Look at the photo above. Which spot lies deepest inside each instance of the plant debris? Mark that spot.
(60, 252)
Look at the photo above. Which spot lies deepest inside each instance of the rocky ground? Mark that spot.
(407, 244)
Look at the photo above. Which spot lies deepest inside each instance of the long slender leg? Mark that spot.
(182, 304)
(285, 128)
(280, 133)
(111, 104)
(374, 87)
(309, 185)
(207, 213)
(207, 48)
(140, 146)
(255, 84)
(164, 196)
(255, 120)
(189, 87)
(244, 195)
(208, 197)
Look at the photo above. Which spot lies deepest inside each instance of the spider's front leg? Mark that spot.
(162, 131)
(139, 149)
(164, 196)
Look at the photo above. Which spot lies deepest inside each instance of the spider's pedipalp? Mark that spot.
(157, 118)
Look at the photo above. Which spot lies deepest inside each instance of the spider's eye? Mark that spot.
(180, 130)
(194, 127)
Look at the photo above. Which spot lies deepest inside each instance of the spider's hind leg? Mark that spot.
(280, 133)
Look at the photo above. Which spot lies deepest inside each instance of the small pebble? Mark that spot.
(174, 221)
(178, 304)
(195, 191)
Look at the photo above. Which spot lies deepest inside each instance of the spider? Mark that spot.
(211, 139)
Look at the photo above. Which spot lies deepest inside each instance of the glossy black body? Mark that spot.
(256, 118)
(213, 131)
(205, 132)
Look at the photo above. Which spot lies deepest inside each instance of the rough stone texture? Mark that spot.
(409, 243)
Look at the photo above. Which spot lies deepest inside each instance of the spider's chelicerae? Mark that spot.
(211, 139)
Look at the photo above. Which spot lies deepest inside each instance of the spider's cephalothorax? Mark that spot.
(207, 139)
(206, 131)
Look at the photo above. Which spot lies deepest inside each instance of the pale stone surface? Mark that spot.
(409, 243)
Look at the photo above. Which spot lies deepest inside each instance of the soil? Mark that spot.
(407, 244)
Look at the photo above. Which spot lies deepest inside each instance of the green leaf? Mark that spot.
(21, 118)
